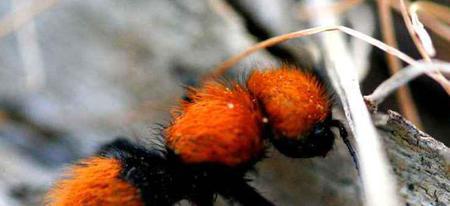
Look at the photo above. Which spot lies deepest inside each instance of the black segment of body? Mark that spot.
(163, 179)
(318, 142)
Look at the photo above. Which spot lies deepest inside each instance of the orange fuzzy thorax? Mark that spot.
(94, 182)
(220, 125)
(294, 101)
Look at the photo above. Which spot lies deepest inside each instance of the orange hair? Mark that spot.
(94, 182)
(220, 125)
(293, 100)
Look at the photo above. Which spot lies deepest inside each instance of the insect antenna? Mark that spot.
(344, 135)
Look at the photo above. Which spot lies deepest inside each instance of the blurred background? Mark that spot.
(75, 74)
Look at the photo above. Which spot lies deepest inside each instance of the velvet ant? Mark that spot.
(217, 134)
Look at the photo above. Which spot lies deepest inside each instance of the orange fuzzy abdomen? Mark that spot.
(220, 125)
(293, 100)
(94, 182)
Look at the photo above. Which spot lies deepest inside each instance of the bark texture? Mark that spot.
(421, 163)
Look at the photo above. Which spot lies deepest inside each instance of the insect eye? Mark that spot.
(318, 130)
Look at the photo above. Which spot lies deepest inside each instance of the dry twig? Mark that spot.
(404, 76)
(226, 65)
(406, 103)
(420, 44)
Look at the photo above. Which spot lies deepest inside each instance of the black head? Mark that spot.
(317, 143)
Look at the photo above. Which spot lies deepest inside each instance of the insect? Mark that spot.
(217, 134)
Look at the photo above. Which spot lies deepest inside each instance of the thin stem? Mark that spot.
(412, 32)
(437, 76)
(226, 65)
(431, 14)
(405, 101)
(404, 76)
